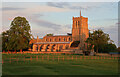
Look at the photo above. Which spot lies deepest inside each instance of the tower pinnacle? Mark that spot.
(37, 38)
(80, 13)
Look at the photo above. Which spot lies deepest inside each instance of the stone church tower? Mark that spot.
(80, 30)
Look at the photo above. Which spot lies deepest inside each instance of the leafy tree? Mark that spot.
(0, 42)
(118, 49)
(5, 40)
(49, 34)
(108, 48)
(18, 36)
(98, 38)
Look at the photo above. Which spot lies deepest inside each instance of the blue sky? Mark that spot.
(56, 17)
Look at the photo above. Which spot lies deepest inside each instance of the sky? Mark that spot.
(56, 17)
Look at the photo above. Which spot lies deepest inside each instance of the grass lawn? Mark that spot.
(58, 64)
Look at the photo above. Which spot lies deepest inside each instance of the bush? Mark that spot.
(86, 52)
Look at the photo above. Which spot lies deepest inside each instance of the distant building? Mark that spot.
(75, 40)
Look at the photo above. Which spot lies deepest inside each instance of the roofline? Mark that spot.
(58, 35)
(51, 42)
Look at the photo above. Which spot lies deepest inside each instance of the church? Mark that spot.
(56, 43)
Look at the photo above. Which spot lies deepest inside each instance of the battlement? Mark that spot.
(76, 17)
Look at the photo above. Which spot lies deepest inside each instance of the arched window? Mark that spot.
(59, 39)
(64, 39)
(69, 39)
(76, 24)
(46, 39)
(50, 39)
(54, 39)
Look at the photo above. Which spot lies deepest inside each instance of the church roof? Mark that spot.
(51, 42)
(59, 36)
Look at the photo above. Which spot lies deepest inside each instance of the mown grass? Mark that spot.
(58, 64)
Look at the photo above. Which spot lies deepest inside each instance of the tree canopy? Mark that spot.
(0, 42)
(18, 36)
(99, 39)
(106, 48)
(118, 49)
(50, 34)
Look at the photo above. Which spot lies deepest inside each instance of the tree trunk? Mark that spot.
(15, 50)
(96, 49)
(20, 50)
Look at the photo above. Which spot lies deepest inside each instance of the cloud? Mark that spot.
(68, 26)
(106, 19)
(72, 6)
(76, 7)
(92, 28)
(44, 27)
(113, 33)
(47, 24)
(118, 23)
(44, 8)
(35, 18)
(58, 4)
(112, 30)
(11, 8)
(109, 29)
(38, 15)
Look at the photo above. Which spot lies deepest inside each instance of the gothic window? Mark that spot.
(69, 39)
(46, 39)
(59, 39)
(76, 23)
(64, 39)
(54, 39)
(50, 40)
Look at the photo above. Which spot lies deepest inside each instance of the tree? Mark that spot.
(98, 38)
(18, 36)
(118, 49)
(5, 40)
(49, 34)
(0, 42)
(106, 48)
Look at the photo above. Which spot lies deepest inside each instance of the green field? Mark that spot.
(58, 64)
